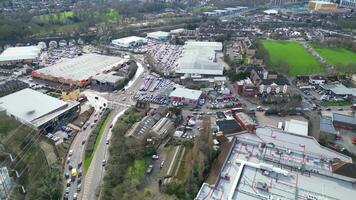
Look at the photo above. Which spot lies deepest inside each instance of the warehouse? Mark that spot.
(39, 110)
(128, 42)
(13, 55)
(185, 95)
(200, 58)
(347, 122)
(296, 127)
(81, 70)
(158, 35)
(322, 5)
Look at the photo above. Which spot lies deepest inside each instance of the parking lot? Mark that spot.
(53, 55)
(165, 55)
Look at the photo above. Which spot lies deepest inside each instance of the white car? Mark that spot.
(155, 157)
(70, 152)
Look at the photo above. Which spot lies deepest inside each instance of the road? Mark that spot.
(96, 171)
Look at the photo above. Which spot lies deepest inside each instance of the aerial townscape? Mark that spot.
(178, 100)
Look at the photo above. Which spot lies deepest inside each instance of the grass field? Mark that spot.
(294, 54)
(138, 169)
(60, 17)
(337, 56)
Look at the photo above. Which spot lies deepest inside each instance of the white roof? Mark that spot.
(158, 34)
(186, 93)
(322, 2)
(82, 67)
(271, 11)
(20, 53)
(296, 127)
(128, 40)
(199, 58)
(28, 105)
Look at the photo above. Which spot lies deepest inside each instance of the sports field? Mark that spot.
(337, 56)
(292, 53)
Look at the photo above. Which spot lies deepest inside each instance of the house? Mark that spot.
(279, 85)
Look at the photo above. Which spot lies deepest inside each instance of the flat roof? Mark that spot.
(344, 118)
(339, 89)
(296, 127)
(20, 53)
(108, 77)
(200, 58)
(28, 105)
(326, 125)
(82, 67)
(128, 40)
(322, 2)
(158, 34)
(186, 93)
(253, 172)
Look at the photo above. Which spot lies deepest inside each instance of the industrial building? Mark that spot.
(296, 127)
(273, 164)
(347, 122)
(228, 126)
(200, 58)
(339, 90)
(322, 5)
(39, 110)
(327, 128)
(246, 121)
(158, 35)
(80, 71)
(13, 55)
(185, 95)
(128, 42)
(348, 4)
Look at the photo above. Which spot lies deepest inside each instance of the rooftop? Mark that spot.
(200, 58)
(344, 118)
(128, 40)
(339, 89)
(186, 93)
(20, 53)
(296, 127)
(274, 163)
(83, 67)
(28, 105)
(326, 125)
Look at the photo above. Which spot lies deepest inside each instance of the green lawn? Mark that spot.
(138, 169)
(294, 55)
(336, 103)
(337, 56)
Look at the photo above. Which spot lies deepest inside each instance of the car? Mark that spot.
(65, 197)
(80, 164)
(162, 163)
(107, 141)
(78, 187)
(353, 140)
(83, 142)
(70, 152)
(68, 182)
(70, 167)
(79, 180)
(97, 98)
(66, 175)
(80, 173)
(103, 163)
(75, 196)
(155, 157)
(68, 159)
(149, 169)
(67, 190)
(92, 125)
(111, 125)
(340, 109)
(328, 109)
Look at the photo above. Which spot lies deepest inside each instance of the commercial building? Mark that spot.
(158, 35)
(273, 164)
(296, 127)
(348, 4)
(13, 55)
(228, 126)
(347, 122)
(39, 110)
(128, 42)
(322, 5)
(327, 128)
(185, 95)
(246, 121)
(80, 71)
(200, 58)
(339, 90)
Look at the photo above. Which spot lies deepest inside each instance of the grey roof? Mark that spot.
(344, 118)
(186, 93)
(199, 58)
(20, 53)
(82, 67)
(326, 125)
(108, 77)
(28, 105)
(340, 89)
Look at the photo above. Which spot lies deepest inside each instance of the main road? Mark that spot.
(119, 102)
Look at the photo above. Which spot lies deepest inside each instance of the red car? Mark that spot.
(353, 141)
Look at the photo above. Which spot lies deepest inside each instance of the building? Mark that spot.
(200, 58)
(246, 122)
(39, 110)
(13, 55)
(80, 71)
(246, 87)
(347, 122)
(185, 95)
(279, 85)
(271, 12)
(348, 4)
(339, 90)
(273, 164)
(5, 183)
(177, 31)
(228, 126)
(322, 6)
(128, 42)
(296, 127)
(327, 128)
(158, 35)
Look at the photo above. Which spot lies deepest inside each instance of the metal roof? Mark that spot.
(186, 93)
(28, 105)
(20, 53)
(82, 67)
(326, 125)
(129, 40)
(199, 58)
(344, 118)
(339, 89)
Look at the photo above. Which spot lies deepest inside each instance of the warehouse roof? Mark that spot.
(344, 118)
(128, 40)
(20, 53)
(200, 58)
(296, 127)
(82, 67)
(186, 93)
(326, 125)
(339, 89)
(28, 105)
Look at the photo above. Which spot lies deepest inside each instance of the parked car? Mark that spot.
(104, 163)
(353, 140)
(155, 157)
(149, 169)
(78, 187)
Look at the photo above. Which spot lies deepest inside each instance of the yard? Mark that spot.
(291, 55)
